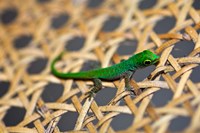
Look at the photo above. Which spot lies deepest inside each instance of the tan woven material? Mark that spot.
(25, 90)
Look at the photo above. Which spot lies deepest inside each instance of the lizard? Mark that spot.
(125, 69)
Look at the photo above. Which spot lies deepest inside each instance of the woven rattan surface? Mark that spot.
(45, 39)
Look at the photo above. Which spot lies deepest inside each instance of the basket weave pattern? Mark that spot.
(35, 19)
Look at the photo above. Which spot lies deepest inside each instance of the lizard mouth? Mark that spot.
(156, 61)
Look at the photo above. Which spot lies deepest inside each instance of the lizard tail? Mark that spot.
(53, 69)
(80, 75)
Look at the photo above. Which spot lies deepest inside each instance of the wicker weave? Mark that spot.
(34, 19)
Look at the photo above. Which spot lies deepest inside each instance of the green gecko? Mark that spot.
(125, 69)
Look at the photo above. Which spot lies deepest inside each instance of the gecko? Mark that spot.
(125, 69)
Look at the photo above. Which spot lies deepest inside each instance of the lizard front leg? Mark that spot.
(127, 76)
(95, 89)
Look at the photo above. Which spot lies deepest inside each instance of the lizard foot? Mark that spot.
(92, 92)
(89, 94)
(128, 88)
(131, 90)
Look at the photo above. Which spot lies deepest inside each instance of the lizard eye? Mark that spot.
(147, 62)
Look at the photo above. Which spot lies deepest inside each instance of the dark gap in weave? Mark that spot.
(111, 23)
(188, 16)
(196, 4)
(141, 74)
(182, 31)
(198, 30)
(138, 103)
(1, 69)
(8, 15)
(94, 3)
(179, 123)
(4, 87)
(141, 129)
(30, 97)
(14, 116)
(75, 44)
(122, 121)
(22, 41)
(74, 85)
(195, 75)
(127, 47)
(105, 95)
(162, 97)
(146, 4)
(52, 91)
(122, 103)
(164, 25)
(68, 121)
(30, 125)
(43, 1)
(59, 21)
(37, 65)
(182, 49)
(90, 65)
(161, 79)
(172, 73)
(95, 121)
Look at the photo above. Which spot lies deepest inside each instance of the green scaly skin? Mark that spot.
(124, 69)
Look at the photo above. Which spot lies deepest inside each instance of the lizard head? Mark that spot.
(146, 58)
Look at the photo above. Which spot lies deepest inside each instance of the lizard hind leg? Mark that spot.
(97, 86)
